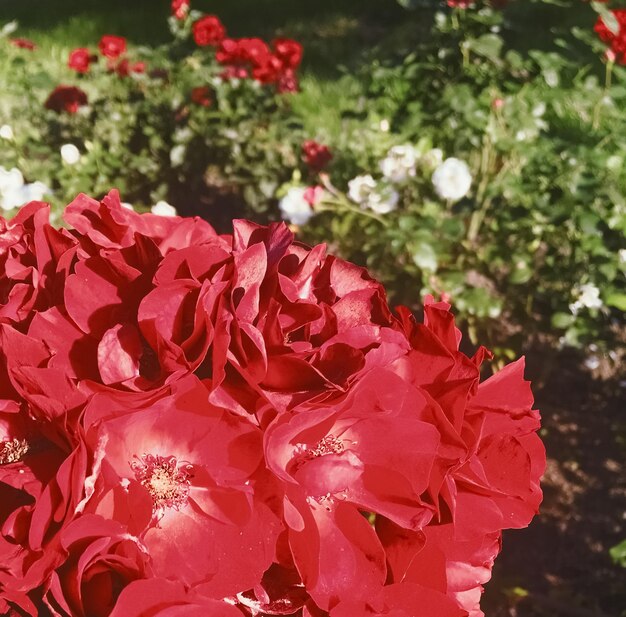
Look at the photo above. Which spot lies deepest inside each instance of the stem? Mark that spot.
(341, 204)
(608, 78)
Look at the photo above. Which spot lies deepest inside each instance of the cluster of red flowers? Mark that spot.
(615, 40)
(246, 58)
(228, 425)
(111, 47)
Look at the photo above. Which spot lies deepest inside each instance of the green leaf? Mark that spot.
(618, 554)
(488, 45)
(424, 256)
(563, 320)
(617, 300)
(610, 21)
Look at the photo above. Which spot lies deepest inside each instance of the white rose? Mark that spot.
(6, 132)
(11, 185)
(383, 200)
(360, 188)
(399, 164)
(294, 207)
(70, 154)
(162, 208)
(35, 191)
(587, 296)
(452, 179)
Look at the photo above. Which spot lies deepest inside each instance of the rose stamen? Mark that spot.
(166, 479)
(13, 451)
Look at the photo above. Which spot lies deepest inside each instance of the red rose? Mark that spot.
(289, 51)
(288, 82)
(192, 463)
(80, 60)
(23, 44)
(201, 96)
(208, 30)
(112, 46)
(616, 41)
(66, 98)
(102, 559)
(316, 155)
(180, 8)
(159, 597)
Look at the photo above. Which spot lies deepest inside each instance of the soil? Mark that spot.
(560, 565)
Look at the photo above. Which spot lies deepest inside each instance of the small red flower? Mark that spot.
(66, 98)
(289, 51)
(80, 60)
(23, 44)
(201, 96)
(124, 68)
(208, 30)
(616, 41)
(180, 8)
(112, 46)
(316, 155)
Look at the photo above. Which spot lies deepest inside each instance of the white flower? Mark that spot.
(34, 192)
(587, 296)
(177, 155)
(399, 164)
(383, 200)
(126, 205)
(621, 256)
(70, 154)
(162, 208)
(452, 179)
(6, 132)
(384, 125)
(11, 186)
(360, 188)
(294, 207)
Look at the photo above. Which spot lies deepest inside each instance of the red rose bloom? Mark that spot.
(616, 41)
(288, 51)
(180, 8)
(80, 60)
(316, 155)
(201, 96)
(239, 425)
(23, 43)
(112, 46)
(208, 30)
(66, 98)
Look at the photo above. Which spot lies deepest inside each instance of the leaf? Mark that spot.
(424, 256)
(618, 554)
(616, 300)
(488, 45)
(563, 320)
(610, 21)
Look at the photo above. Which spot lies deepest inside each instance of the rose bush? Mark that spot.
(239, 424)
(196, 120)
(523, 224)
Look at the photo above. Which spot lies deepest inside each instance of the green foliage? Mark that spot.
(538, 245)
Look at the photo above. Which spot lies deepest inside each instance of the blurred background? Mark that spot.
(469, 150)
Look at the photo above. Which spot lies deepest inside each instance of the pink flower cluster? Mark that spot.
(228, 425)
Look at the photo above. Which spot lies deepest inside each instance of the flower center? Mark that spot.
(165, 478)
(13, 451)
(328, 445)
